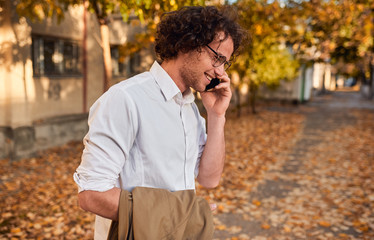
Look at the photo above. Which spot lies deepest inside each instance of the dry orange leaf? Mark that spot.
(220, 208)
(15, 230)
(256, 202)
(265, 226)
(324, 224)
(221, 227)
(287, 229)
(364, 228)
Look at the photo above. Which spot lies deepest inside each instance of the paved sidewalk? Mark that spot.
(324, 187)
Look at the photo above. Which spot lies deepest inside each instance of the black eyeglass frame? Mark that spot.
(220, 62)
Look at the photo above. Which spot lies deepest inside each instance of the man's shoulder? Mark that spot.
(141, 87)
(138, 81)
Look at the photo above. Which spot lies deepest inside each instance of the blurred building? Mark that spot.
(45, 89)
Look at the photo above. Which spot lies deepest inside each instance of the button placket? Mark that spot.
(185, 143)
(183, 107)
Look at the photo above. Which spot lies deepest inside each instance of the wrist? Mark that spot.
(216, 119)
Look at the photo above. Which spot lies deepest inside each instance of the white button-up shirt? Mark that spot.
(142, 132)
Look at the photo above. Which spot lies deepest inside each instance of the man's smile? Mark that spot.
(208, 77)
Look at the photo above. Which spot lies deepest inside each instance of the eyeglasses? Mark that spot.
(220, 59)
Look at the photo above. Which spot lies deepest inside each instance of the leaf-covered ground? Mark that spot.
(319, 185)
(303, 172)
(38, 197)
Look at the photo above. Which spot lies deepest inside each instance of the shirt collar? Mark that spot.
(168, 87)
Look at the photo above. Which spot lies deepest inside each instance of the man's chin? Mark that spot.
(199, 89)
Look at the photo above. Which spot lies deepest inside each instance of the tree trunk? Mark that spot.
(104, 30)
(302, 90)
(253, 101)
(252, 97)
(238, 104)
(371, 83)
(372, 56)
(323, 90)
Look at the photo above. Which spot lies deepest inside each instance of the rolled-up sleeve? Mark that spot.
(112, 129)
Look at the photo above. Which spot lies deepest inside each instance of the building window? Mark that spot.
(135, 63)
(117, 64)
(124, 65)
(55, 56)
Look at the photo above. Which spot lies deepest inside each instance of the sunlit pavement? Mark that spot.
(323, 187)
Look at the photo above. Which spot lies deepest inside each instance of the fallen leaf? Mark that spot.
(265, 226)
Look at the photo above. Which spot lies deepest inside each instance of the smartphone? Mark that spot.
(214, 82)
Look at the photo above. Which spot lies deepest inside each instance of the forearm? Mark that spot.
(212, 159)
(104, 204)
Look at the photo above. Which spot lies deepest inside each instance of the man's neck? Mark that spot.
(172, 68)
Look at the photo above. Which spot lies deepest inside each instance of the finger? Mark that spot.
(223, 85)
(223, 89)
(224, 78)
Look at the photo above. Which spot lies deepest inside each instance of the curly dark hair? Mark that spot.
(193, 27)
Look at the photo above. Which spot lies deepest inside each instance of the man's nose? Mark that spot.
(220, 70)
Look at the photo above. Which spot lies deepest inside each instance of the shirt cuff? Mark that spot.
(83, 184)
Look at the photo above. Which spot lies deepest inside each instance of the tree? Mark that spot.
(147, 11)
(268, 64)
(339, 32)
(265, 60)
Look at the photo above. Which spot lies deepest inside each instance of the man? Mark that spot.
(147, 131)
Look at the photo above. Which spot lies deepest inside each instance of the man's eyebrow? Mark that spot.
(219, 53)
(220, 41)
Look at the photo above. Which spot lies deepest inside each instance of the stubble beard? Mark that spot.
(190, 76)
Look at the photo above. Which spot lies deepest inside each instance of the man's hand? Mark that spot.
(217, 101)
